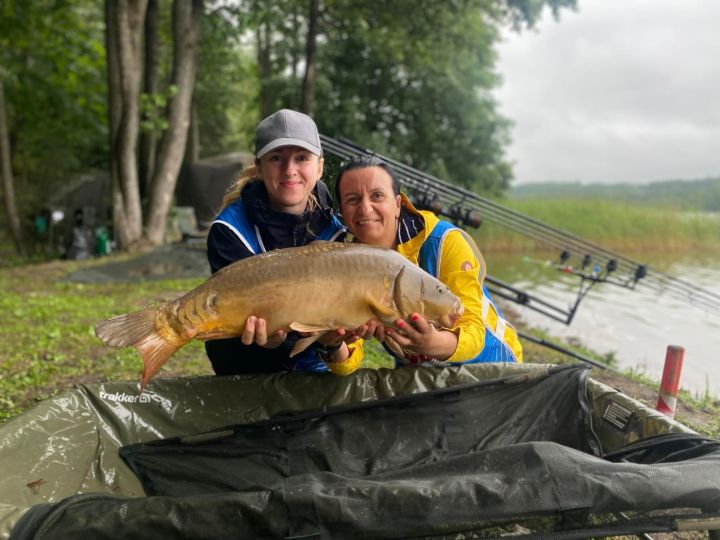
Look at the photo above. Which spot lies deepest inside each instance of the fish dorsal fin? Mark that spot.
(303, 343)
(305, 327)
(384, 313)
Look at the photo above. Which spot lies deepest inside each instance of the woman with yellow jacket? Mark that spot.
(376, 213)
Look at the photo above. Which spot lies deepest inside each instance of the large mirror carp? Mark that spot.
(315, 288)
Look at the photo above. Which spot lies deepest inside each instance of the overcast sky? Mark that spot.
(618, 91)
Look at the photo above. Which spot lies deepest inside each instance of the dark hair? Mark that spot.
(364, 161)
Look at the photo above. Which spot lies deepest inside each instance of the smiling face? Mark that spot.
(369, 207)
(290, 174)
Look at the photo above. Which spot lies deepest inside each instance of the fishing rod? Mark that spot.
(496, 286)
(468, 208)
(455, 197)
(563, 350)
(568, 242)
(449, 200)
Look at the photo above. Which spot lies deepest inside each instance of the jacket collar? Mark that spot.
(411, 220)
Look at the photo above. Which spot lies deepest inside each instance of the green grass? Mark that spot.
(47, 339)
(614, 225)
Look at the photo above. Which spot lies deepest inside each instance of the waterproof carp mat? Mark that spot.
(442, 462)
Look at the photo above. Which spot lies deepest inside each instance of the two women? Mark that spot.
(280, 202)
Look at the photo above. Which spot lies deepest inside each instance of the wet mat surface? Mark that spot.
(175, 261)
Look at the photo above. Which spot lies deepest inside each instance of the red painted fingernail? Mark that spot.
(388, 331)
(415, 317)
(401, 323)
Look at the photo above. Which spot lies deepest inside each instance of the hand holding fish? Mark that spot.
(364, 331)
(419, 337)
(336, 339)
(255, 331)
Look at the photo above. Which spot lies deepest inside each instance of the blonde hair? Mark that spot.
(250, 174)
(233, 192)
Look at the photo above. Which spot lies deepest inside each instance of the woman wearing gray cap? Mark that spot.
(279, 202)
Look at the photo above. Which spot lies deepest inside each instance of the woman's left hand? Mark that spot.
(417, 336)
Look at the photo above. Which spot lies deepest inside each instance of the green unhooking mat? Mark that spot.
(435, 463)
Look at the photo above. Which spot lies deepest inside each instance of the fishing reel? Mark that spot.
(428, 201)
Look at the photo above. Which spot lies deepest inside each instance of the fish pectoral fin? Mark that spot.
(303, 343)
(382, 312)
(304, 327)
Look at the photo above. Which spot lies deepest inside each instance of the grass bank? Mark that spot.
(47, 340)
(614, 225)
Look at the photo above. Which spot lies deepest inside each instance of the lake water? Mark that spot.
(636, 325)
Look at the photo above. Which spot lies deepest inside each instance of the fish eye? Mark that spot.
(440, 289)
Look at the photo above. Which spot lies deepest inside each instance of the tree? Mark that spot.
(415, 87)
(186, 30)
(151, 87)
(125, 23)
(227, 87)
(54, 106)
(8, 181)
(418, 88)
(308, 84)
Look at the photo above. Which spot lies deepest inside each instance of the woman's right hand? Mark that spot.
(256, 332)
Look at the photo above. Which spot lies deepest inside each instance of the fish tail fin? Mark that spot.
(126, 330)
(138, 329)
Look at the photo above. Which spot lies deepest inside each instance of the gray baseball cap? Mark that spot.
(287, 128)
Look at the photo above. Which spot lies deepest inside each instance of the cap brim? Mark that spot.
(288, 141)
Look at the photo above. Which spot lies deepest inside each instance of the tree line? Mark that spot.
(136, 87)
(692, 195)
